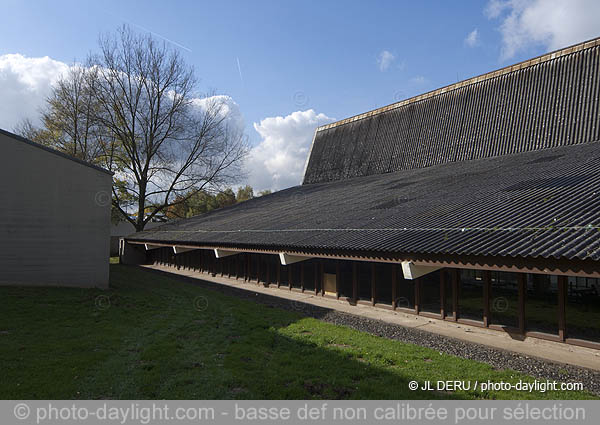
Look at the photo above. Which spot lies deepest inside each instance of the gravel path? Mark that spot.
(499, 359)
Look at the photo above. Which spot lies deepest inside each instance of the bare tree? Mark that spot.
(27, 129)
(69, 122)
(168, 143)
(70, 119)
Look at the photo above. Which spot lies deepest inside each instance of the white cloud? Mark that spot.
(419, 79)
(24, 84)
(549, 23)
(229, 109)
(278, 160)
(472, 39)
(385, 59)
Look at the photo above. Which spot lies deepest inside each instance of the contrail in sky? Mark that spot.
(152, 32)
(240, 70)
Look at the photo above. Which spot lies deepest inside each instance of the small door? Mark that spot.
(330, 283)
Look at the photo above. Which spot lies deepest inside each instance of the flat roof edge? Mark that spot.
(55, 152)
(486, 76)
(526, 264)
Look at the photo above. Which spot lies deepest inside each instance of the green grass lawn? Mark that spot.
(150, 336)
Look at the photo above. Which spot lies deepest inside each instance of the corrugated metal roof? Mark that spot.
(535, 204)
(539, 105)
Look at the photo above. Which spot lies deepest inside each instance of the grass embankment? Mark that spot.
(154, 337)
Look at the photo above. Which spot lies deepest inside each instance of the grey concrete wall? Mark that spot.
(54, 218)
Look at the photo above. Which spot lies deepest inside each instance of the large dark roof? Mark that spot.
(549, 101)
(54, 151)
(535, 204)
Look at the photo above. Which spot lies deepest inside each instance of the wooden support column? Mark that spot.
(302, 277)
(278, 274)
(521, 310)
(487, 290)
(316, 278)
(418, 295)
(373, 289)
(455, 283)
(337, 279)
(290, 276)
(354, 282)
(249, 265)
(443, 293)
(321, 271)
(394, 285)
(562, 300)
(237, 267)
(268, 281)
(258, 269)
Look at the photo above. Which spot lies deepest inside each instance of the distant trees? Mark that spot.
(133, 110)
(265, 192)
(202, 201)
(245, 193)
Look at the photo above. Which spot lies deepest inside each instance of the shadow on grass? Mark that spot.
(150, 336)
(154, 336)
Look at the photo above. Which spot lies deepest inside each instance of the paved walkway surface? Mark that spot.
(534, 347)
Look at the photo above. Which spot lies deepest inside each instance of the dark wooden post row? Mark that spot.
(249, 265)
(394, 285)
(418, 295)
(337, 279)
(521, 309)
(290, 276)
(562, 296)
(268, 281)
(278, 274)
(487, 290)
(455, 283)
(258, 269)
(443, 293)
(302, 276)
(354, 282)
(321, 272)
(316, 273)
(373, 280)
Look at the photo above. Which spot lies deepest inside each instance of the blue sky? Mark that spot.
(335, 58)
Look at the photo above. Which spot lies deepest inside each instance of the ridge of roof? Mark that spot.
(54, 151)
(486, 76)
